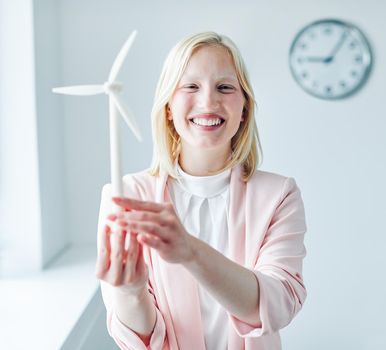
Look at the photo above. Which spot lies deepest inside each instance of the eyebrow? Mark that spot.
(224, 77)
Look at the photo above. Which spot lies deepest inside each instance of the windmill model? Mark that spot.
(112, 88)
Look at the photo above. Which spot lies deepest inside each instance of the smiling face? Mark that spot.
(207, 105)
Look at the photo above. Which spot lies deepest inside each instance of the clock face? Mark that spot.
(330, 59)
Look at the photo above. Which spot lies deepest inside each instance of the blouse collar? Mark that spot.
(204, 186)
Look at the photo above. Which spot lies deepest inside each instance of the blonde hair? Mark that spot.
(246, 148)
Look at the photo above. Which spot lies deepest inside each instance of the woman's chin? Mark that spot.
(209, 146)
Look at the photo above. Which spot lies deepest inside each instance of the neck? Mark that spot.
(205, 162)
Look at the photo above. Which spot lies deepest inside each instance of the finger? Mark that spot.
(103, 257)
(112, 217)
(117, 256)
(123, 217)
(122, 223)
(142, 268)
(150, 240)
(147, 227)
(131, 258)
(132, 247)
(147, 216)
(140, 260)
(129, 203)
(116, 222)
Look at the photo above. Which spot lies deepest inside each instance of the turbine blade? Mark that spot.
(127, 115)
(80, 90)
(117, 65)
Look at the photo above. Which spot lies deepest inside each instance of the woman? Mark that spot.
(216, 246)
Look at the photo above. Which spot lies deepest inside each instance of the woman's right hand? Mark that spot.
(121, 266)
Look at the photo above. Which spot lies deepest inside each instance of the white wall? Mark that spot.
(335, 150)
(52, 169)
(20, 211)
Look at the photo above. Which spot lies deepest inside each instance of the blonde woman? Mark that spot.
(216, 246)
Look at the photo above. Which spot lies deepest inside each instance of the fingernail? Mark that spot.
(122, 223)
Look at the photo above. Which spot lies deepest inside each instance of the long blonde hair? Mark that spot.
(245, 144)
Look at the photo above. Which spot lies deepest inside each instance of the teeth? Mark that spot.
(206, 122)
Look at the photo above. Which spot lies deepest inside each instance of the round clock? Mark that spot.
(330, 59)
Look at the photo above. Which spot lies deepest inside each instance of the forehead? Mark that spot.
(210, 60)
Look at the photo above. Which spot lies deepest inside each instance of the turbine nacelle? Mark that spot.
(112, 87)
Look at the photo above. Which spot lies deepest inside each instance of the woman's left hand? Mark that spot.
(158, 227)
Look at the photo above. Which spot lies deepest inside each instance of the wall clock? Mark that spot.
(330, 59)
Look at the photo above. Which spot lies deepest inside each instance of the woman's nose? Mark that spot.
(208, 99)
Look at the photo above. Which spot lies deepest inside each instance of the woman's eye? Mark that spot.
(226, 88)
(190, 87)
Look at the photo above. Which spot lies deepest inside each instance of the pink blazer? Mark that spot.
(266, 233)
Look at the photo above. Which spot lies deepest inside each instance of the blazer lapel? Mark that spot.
(180, 288)
(236, 232)
(236, 220)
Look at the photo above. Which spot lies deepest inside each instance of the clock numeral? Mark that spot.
(328, 89)
(343, 84)
(304, 75)
(303, 46)
(354, 73)
(352, 45)
(358, 59)
(327, 30)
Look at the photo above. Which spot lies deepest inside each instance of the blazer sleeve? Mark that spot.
(279, 266)
(124, 337)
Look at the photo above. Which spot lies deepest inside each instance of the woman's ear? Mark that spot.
(243, 114)
(169, 114)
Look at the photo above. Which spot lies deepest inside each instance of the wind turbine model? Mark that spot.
(112, 88)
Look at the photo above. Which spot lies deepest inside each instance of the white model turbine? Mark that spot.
(112, 88)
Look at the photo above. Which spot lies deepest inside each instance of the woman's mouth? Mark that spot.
(207, 123)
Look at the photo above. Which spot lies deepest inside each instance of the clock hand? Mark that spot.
(331, 56)
(315, 59)
(336, 48)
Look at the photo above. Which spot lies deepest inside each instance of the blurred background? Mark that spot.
(54, 158)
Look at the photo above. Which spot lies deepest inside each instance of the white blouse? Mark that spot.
(202, 205)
